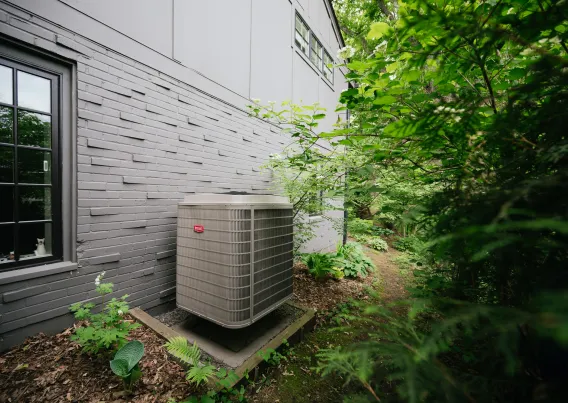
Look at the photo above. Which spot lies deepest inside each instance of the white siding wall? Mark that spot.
(214, 38)
(271, 51)
(137, 19)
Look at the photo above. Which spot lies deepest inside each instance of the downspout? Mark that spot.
(345, 213)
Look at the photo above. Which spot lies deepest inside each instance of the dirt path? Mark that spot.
(391, 280)
(296, 381)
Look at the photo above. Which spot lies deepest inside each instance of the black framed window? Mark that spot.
(30, 204)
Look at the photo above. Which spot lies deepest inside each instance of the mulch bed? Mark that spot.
(53, 369)
(325, 294)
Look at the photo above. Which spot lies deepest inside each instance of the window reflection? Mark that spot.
(6, 164)
(34, 166)
(34, 129)
(35, 203)
(6, 243)
(6, 124)
(34, 92)
(6, 85)
(6, 204)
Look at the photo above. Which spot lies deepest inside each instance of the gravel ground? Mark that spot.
(174, 317)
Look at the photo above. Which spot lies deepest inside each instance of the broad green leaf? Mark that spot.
(385, 100)
(378, 29)
(132, 352)
(516, 74)
(120, 367)
(392, 67)
(411, 75)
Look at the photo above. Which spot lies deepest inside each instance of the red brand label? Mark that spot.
(198, 228)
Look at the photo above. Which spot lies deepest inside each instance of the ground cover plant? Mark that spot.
(106, 330)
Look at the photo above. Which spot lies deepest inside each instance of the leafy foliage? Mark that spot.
(458, 136)
(410, 243)
(190, 355)
(320, 265)
(353, 260)
(107, 329)
(377, 243)
(271, 356)
(125, 363)
(302, 175)
(359, 226)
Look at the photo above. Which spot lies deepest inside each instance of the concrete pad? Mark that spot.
(232, 347)
(303, 321)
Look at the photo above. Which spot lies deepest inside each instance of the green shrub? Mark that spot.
(104, 330)
(359, 226)
(353, 260)
(380, 231)
(410, 243)
(320, 264)
(377, 243)
(125, 363)
(190, 355)
(361, 238)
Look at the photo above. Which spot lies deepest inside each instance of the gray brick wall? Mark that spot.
(144, 141)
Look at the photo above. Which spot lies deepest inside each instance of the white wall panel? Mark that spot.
(328, 100)
(146, 21)
(271, 50)
(213, 37)
(320, 21)
(305, 90)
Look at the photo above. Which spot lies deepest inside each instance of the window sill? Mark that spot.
(16, 275)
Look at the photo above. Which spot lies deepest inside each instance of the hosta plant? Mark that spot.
(320, 265)
(377, 243)
(125, 363)
(106, 330)
(190, 355)
(353, 260)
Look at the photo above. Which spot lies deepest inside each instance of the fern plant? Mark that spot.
(437, 360)
(190, 355)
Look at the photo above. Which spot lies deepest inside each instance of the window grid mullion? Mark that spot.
(15, 171)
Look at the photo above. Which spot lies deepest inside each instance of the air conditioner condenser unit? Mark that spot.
(234, 256)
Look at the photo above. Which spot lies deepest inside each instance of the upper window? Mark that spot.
(302, 35)
(327, 70)
(316, 52)
(306, 40)
(29, 181)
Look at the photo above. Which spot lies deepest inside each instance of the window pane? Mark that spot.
(34, 166)
(6, 243)
(34, 92)
(6, 164)
(32, 234)
(6, 124)
(6, 204)
(34, 129)
(6, 85)
(301, 27)
(301, 43)
(35, 203)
